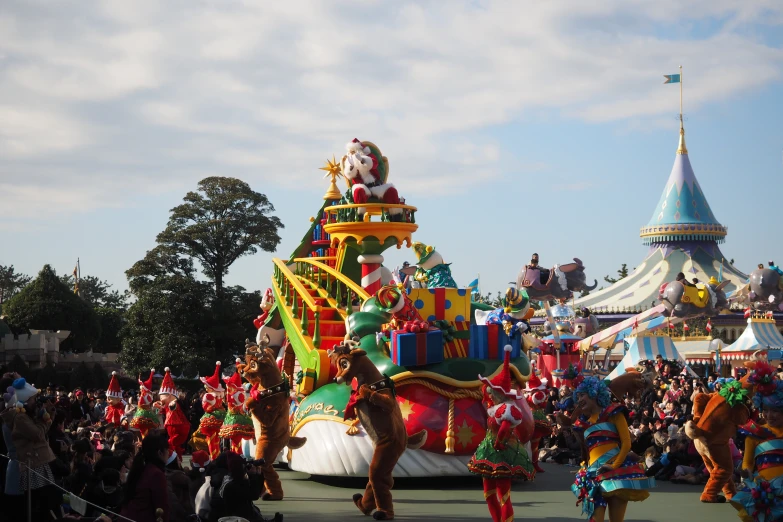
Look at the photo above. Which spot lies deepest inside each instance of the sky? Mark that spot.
(514, 127)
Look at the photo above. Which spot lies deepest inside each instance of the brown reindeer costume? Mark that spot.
(268, 402)
(373, 401)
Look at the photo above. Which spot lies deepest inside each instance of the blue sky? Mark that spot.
(514, 127)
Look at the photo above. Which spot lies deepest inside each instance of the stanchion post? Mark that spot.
(29, 492)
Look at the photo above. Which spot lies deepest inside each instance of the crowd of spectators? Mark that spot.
(58, 451)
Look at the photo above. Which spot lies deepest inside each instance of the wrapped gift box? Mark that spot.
(488, 341)
(451, 304)
(456, 338)
(307, 384)
(416, 349)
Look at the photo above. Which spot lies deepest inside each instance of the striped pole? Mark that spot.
(371, 272)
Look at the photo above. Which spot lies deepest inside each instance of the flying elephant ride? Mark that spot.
(683, 300)
(558, 283)
(764, 290)
(334, 294)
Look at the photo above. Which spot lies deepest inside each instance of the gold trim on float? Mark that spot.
(360, 231)
(318, 416)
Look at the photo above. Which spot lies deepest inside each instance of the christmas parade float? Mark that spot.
(427, 342)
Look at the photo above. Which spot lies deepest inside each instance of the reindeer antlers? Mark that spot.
(346, 347)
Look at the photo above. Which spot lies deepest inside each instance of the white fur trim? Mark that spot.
(218, 363)
(167, 369)
(370, 258)
(114, 373)
(238, 360)
(507, 348)
(354, 147)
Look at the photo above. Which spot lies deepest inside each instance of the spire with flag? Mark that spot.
(709, 326)
(76, 277)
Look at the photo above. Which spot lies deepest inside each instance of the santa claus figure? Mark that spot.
(362, 167)
(266, 304)
(115, 410)
(238, 425)
(536, 394)
(145, 418)
(214, 411)
(176, 423)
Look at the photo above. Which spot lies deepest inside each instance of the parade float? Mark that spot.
(427, 341)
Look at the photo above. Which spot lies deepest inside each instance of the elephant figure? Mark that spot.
(688, 301)
(585, 326)
(558, 283)
(765, 289)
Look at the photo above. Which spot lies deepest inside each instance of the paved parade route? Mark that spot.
(548, 498)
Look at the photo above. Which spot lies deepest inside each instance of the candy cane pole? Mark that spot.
(371, 272)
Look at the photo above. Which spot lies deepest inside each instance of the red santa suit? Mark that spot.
(536, 392)
(176, 423)
(237, 426)
(115, 409)
(360, 166)
(214, 412)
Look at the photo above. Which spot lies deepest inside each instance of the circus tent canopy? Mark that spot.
(645, 348)
(760, 334)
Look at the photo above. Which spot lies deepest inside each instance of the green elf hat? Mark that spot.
(422, 251)
(390, 299)
(515, 300)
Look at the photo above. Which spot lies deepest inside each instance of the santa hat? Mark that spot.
(268, 297)
(199, 460)
(167, 387)
(534, 383)
(147, 385)
(502, 381)
(213, 381)
(235, 381)
(390, 299)
(114, 391)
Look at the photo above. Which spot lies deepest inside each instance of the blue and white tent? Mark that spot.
(645, 348)
(760, 334)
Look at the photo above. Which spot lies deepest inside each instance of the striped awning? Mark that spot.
(645, 348)
(760, 334)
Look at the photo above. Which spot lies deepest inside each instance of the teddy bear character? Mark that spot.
(360, 168)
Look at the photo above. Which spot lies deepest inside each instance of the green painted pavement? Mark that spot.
(546, 499)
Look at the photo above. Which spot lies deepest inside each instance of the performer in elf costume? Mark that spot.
(393, 300)
(145, 418)
(536, 394)
(761, 497)
(514, 314)
(237, 426)
(609, 479)
(502, 455)
(176, 423)
(432, 271)
(214, 412)
(115, 410)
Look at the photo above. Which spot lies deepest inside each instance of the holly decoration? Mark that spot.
(763, 378)
(734, 393)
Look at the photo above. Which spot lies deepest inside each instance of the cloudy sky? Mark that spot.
(513, 126)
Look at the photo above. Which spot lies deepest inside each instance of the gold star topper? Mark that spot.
(334, 170)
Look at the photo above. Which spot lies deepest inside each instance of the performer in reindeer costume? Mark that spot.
(366, 169)
(536, 395)
(145, 418)
(610, 478)
(237, 426)
(502, 455)
(214, 411)
(432, 271)
(761, 497)
(176, 423)
(115, 410)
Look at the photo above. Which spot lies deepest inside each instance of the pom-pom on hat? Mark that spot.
(422, 251)
(23, 390)
(199, 460)
(502, 381)
(213, 381)
(147, 385)
(167, 387)
(114, 391)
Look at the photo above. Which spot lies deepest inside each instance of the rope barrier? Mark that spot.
(31, 470)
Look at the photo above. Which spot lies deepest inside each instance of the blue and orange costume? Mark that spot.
(609, 473)
(761, 497)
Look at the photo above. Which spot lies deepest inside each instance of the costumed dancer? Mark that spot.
(237, 426)
(536, 394)
(176, 423)
(502, 455)
(145, 418)
(214, 412)
(610, 479)
(514, 313)
(115, 410)
(761, 497)
(432, 271)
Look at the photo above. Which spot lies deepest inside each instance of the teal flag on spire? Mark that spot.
(672, 78)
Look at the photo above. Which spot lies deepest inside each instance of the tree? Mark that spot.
(112, 321)
(621, 274)
(11, 282)
(81, 377)
(97, 293)
(100, 379)
(47, 304)
(18, 365)
(220, 223)
(47, 375)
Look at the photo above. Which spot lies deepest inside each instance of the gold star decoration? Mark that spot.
(406, 408)
(332, 168)
(465, 434)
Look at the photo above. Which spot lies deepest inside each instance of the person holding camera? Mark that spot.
(235, 491)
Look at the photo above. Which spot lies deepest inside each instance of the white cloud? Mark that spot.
(266, 91)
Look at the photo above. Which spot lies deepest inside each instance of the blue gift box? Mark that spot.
(416, 349)
(487, 342)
